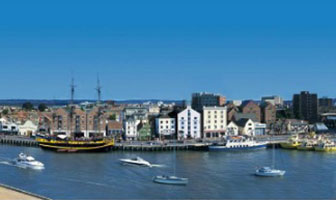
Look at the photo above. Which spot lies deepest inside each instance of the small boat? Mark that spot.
(170, 180)
(136, 161)
(238, 143)
(269, 172)
(307, 146)
(292, 143)
(326, 146)
(26, 161)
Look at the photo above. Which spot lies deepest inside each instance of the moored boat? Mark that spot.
(238, 143)
(307, 146)
(326, 146)
(292, 143)
(69, 145)
(170, 180)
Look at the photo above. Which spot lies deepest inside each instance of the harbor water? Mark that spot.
(215, 175)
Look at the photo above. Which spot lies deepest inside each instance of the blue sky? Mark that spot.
(167, 49)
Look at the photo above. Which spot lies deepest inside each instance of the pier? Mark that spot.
(18, 141)
(11, 193)
(147, 146)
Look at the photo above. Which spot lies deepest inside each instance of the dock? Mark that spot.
(147, 146)
(18, 141)
(11, 193)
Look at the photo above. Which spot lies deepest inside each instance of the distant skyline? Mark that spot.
(167, 49)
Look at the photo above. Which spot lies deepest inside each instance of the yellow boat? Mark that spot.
(292, 143)
(307, 145)
(75, 145)
(326, 147)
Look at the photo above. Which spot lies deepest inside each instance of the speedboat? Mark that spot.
(170, 180)
(269, 172)
(26, 161)
(136, 161)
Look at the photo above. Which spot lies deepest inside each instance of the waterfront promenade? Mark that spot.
(11, 193)
(148, 145)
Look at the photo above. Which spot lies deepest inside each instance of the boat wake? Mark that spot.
(86, 182)
(158, 166)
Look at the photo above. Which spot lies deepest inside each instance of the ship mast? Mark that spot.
(98, 89)
(72, 107)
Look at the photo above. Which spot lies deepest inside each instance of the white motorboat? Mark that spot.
(269, 172)
(26, 161)
(170, 180)
(136, 161)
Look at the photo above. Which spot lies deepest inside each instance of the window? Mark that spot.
(161, 127)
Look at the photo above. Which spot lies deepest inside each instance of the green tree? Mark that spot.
(42, 107)
(28, 106)
(112, 117)
(5, 112)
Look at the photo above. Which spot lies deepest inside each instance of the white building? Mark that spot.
(131, 128)
(214, 121)
(232, 129)
(246, 127)
(8, 127)
(28, 129)
(165, 126)
(189, 124)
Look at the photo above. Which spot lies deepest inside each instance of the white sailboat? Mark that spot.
(171, 180)
(270, 171)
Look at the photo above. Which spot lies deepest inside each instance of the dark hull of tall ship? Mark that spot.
(73, 146)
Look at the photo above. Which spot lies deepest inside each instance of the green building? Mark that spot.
(144, 131)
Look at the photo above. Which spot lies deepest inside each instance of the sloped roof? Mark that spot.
(242, 122)
(252, 116)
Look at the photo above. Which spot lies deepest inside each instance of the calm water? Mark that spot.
(215, 175)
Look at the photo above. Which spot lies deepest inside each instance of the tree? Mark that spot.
(5, 112)
(112, 117)
(42, 107)
(28, 106)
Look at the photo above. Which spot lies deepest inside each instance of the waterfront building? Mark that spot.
(8, 127)
(305, 106)
(115, 129)
(246, 127)
(131, 128)
(232, 129)
(260, 129)
(250, 107)
(199, 100)
(268, 113)
(214, 122)
(144, 131)
(274, 100)
(28, 129)
(189, 124)
(165, 126)
(74, 122)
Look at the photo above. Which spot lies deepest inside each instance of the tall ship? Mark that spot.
(75, 145)
(238, 143)
(77, 130)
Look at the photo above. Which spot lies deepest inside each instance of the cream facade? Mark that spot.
(214, 121)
